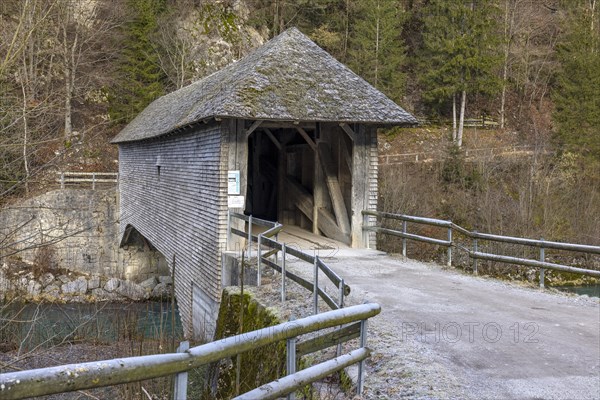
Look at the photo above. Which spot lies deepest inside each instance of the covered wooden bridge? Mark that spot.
(288, 132)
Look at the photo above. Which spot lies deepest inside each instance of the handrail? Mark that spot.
(68, 177)
(475, 236)
(255, 221)
(264, 239)
(72, 377)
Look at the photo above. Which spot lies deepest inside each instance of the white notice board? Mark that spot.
(233, 182)
(235, 201)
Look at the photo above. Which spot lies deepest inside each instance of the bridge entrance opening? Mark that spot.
(301, 175)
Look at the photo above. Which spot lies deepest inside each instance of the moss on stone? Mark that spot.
(259, 366)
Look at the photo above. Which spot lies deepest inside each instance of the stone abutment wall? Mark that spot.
(73, 230)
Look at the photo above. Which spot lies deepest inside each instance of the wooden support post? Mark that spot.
(304, 202)
(360, 183)
(317, 192)
(281, 192)
(335, 192)
(237, 160)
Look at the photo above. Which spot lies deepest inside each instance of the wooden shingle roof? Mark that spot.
(289, 78)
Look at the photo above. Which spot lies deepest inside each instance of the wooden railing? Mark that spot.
(474, 153)
(73, 377)
(476, 238)
(480, 122)
(85, 179)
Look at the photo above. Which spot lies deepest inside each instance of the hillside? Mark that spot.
(72, 74)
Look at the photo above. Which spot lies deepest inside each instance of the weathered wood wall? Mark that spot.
(173, 191)
(373, 183)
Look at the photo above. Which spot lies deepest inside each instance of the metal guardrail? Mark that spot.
(78, 178)
(475, 237)
(72, 377)
(265, 239)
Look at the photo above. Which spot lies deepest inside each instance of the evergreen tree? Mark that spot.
(577, 96)
(460, 54)
(377, 50)
(142, 79)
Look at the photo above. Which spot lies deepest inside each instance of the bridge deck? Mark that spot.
(443, 334)
(305, 240)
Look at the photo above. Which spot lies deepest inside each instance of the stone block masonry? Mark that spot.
(75, 230)
(72, 287)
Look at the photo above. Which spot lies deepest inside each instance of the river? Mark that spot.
(589, 290)
(46, 325)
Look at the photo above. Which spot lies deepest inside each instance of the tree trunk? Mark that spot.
(377, 22)
(68, 120)
(70, 53)
(592, 12)
(454, 118)
(25, 136)
(347, 30)
(509, 19)
(463, 101)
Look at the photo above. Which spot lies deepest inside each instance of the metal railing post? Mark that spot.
(259, 265)
(475, 251)
(316, 286)
(341, 294)
(277, 239)
(361, 364)
(341, 304)
(404, 239)
(249, 236)
(180, 387)
(449, 251)
(94, 181)
(365, 232)
(62, 180)
(542, 259)
(291, 360)
(283, 254)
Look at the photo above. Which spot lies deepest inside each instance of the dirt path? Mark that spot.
(443, 334)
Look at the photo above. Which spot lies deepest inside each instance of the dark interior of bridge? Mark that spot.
(286, 178)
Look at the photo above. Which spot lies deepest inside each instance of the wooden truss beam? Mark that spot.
(348, 131)
(253, 127)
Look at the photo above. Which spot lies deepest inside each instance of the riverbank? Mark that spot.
(44, 335)
(24, 281)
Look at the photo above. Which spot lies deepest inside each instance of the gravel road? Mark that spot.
(443, 334)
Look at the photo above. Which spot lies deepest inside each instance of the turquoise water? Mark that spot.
(590, 290)
(48, 324)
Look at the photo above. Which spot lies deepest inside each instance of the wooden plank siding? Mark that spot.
(180, 209)
(373, 184)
